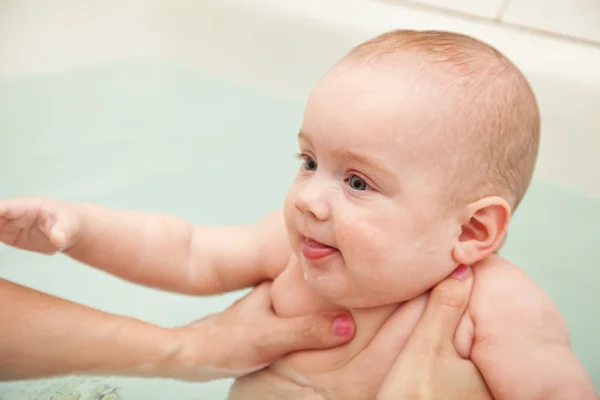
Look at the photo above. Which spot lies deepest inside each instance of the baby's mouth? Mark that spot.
(313, 250)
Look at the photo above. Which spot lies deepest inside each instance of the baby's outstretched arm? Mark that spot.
(151, 249)
(521, 343)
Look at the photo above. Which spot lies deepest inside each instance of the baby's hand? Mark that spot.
(40, 225)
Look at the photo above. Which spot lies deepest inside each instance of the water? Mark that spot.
(160, 137)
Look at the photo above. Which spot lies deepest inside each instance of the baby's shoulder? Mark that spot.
(505, 296)
(496, 276)
(495, 272)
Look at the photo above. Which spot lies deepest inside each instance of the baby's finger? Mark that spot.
(446, 305)
(11, 211)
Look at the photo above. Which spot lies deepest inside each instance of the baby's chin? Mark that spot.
(369, 301)
(336, 286)
(347, 296)
(330, 287)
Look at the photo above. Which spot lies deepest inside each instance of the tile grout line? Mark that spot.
(508, 25)
(502, 10)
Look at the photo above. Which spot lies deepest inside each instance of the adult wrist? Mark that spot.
(193, 355)
(45, 336)
(130, 347)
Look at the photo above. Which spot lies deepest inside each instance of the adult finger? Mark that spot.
(446, 305)
(308, 332)
(260, 297)
(311, 332)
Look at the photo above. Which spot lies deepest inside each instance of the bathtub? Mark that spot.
(191, 108)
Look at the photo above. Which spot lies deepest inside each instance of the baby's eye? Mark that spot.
(309, 164)
(357, 183)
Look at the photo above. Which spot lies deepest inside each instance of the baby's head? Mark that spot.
(416, 149)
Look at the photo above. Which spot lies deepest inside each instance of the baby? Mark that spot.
(416, 148)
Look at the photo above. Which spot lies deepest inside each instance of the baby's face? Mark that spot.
(365, 215)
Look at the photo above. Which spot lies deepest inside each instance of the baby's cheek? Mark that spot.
(288, 204)
(363, 238)
(367, 249)
(290, 211)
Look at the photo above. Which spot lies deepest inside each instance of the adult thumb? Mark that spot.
(446, 305)
(313, 332)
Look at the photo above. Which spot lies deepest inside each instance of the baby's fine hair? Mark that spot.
(502, 127)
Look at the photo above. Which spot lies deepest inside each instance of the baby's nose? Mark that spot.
(312, 199)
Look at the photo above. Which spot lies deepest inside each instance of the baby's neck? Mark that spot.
(292, 296)
(323, 374)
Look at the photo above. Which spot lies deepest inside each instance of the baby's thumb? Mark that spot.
(315, 332)
(63, 231)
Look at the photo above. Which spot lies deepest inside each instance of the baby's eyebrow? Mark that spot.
(303, 136)
(363, 159)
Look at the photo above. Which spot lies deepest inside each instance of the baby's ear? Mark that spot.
(483, 231)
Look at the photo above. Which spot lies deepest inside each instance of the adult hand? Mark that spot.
(429, 367)
(248, 336)
(42, 337)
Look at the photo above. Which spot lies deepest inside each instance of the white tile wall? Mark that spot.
(578, 18)
(480, 8)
